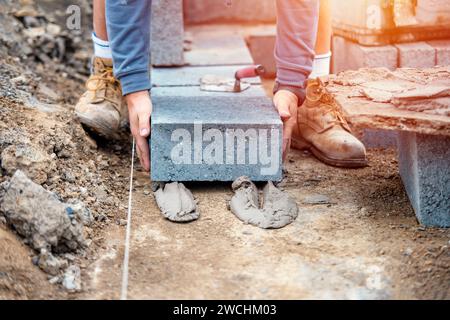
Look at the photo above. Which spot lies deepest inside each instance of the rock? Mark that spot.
(408, 252)
(51, 264)
(40, 217)
(54, 280)
(29, 158)
(316, 199)
(72, 279)
(79, 210)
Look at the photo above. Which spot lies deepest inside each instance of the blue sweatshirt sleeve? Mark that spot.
(128, 25)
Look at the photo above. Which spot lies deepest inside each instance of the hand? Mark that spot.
(140, 109)
(286, 103)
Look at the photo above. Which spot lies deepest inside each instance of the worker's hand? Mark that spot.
(140, 109)
(286, 103)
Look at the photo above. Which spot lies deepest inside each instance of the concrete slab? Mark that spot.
(217, 45)
(425, 170)
(365, 113)
(237, 11)
(201, 138)
(348, 55)
(416, 55)
(442, 48)
(167, 33)
(190, 76)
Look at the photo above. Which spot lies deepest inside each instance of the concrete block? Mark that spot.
(348, 55)
(416, 55)
(167, 36)
(424, 162)
(373, 138)
(201, 11)
(190, 76)
(217, 45)
(442, 48)
(262, 50)
(214, 137)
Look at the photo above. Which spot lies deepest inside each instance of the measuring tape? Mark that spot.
(126, 256)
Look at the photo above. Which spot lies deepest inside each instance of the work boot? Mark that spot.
(102, 107)
(323, 130)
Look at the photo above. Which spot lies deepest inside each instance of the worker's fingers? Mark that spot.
(140, 109)
(144, 123)
(284, 101)
(283, 109)
(143, 152)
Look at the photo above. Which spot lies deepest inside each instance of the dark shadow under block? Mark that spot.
(424, 162)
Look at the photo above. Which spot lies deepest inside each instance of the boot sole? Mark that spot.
(301, 144)
(97, 127)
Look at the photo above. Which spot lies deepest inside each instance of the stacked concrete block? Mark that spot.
(416, 55)
(442, 48)
(348, 55)
(167, 35)
(425, 170)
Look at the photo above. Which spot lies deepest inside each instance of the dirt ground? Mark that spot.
(364, 243)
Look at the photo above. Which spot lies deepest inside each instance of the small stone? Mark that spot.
(54, 280)
(316, 199)
(51, 264)
(122, 222)
(72, 279)
(102, 217)
(408, 252)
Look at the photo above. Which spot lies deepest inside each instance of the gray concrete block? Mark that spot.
(214, 138)
(348, 55)
(201, 11)
(373, 138)
(167, 36)
(442, 48)
(416, 55)
(190, 76)
(424, 162)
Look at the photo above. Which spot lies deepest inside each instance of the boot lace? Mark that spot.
(104, 82)
(330, 106)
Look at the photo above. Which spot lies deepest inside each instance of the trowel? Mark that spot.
(216, 83)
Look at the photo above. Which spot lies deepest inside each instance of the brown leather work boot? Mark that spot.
(102, 107)
(323, 130)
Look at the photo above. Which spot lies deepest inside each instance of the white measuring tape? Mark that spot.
(126, 256)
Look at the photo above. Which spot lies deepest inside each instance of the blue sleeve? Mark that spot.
(128, 25)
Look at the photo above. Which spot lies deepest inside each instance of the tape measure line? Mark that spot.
(126, 256)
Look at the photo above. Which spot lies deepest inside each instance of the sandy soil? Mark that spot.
(365, 244)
